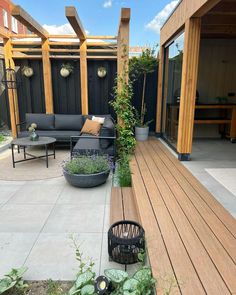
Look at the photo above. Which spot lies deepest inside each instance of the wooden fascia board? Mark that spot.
(75, 22)
(22, 16)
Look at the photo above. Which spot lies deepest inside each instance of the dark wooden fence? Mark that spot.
(66, 91)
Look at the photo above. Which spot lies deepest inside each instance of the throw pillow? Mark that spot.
(98, 119)
(91, 127)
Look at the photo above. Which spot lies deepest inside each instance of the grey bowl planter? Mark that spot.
(141, 133)
(86, 180)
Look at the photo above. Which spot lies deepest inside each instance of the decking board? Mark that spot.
(186, 219)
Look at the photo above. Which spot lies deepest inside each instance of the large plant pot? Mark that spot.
(86, 180)
(141, 133)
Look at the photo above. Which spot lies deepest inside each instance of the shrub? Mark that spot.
(123, 172)
(83, 164)
(2, 138)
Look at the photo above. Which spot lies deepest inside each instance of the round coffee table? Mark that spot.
(25, 142)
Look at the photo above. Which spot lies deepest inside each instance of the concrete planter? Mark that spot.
(86, 180)
(141, 133)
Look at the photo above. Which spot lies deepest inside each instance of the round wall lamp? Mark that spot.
(27, 71)
(102, 72)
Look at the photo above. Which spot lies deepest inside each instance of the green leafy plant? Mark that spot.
(84, 283)
(53, 288)
(141, 67)
(14, 280)
(141, 283)
(2, 138)
(83, 164)
(123, 93)
(123, 173)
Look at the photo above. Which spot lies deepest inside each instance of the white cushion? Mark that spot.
(98, 119)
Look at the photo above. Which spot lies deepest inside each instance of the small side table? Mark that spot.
(25, 142)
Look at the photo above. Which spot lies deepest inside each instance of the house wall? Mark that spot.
(6, 5)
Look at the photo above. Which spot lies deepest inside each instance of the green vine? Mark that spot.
(123, 93)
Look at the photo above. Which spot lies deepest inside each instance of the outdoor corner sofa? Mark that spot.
(67, 129)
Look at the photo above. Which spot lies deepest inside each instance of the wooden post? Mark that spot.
(12, 93)
(47, 77)
(84, 77)
(159, 91)
(123, 45)
(188, 87)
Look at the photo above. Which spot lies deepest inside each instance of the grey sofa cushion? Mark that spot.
(43, 121)
(60, 135)
(68, 122)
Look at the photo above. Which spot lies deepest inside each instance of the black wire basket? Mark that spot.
(126, 239)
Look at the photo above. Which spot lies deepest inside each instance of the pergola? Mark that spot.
(41, 45)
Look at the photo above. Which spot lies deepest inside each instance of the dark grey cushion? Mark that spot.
(43, 121)
(60, 135)
(68, 122)
(107, 130)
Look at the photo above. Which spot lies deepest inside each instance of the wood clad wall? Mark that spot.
(30, 90)
(185, 10)
(66, 91)
(188, 85)
(217, 69)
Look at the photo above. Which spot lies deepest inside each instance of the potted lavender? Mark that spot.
(87, 170)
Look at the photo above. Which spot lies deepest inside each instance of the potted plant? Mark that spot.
(33, 135)
(87, 171)
(27, 71)
(141, 67)
(66, 69)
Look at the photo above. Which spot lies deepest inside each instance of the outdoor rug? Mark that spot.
(32, 170)
(226, 177)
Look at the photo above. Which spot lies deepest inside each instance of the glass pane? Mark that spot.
(171, 89)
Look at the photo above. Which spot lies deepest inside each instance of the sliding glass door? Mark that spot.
(172, 89)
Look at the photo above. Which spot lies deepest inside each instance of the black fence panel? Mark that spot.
(66, 91)
(100, 90)
(30, 91)
(150, 97)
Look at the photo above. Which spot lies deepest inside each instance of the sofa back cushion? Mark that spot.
(43, 121)
(68, 122)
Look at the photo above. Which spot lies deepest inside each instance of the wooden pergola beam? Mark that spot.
(4, 33)
(75, 22)
(22, 16)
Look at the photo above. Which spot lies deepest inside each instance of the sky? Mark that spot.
(101, 17)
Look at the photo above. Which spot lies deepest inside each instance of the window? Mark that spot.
(5, 18)
(14, 24)
(171, 89)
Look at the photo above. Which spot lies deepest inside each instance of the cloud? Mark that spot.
(107, 4)
(156, 24)
(61, 29)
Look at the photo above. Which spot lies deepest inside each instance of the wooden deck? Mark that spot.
(189, 235)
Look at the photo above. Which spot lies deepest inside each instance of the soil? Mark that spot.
(41, 288)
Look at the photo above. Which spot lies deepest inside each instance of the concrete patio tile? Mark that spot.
(74, 195)
(37, 194)
(23, 218)
(14, 249)
(53, 256)
(75, 218)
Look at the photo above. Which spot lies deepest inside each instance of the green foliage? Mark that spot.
(2, 138)
(123, 93)
(141, 283)
(123, 173)
(83, 164)
(138, 117)
(84, 283)
(140, 67)
(13, 280)
(53, 288)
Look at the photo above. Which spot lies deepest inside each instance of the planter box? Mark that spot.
(86, 180)
(141, 133)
